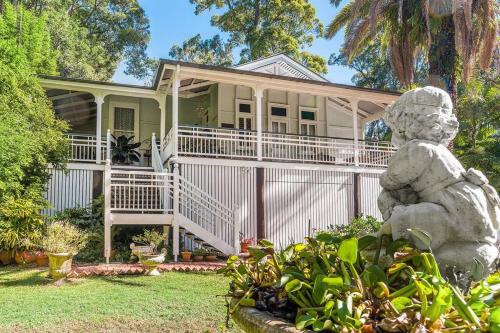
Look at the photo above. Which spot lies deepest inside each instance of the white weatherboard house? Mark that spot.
(269, 149)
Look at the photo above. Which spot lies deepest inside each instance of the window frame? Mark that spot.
(307, 121)
(280, 119)
(239, 114)
(126, 105)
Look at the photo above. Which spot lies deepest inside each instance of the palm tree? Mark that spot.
(455, 35)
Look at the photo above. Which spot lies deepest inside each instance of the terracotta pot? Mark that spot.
(211, 258)
(59, 265)
(41, 259)
(186, 256)
(244, 247)
(5, 257)
(24, 257)
(197, 258)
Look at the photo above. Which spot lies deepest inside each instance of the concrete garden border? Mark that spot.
(251, 320)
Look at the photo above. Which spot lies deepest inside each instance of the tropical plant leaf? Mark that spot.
(348, 250)
(423, 236)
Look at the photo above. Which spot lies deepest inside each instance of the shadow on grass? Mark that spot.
(25, 279)
(118, 280)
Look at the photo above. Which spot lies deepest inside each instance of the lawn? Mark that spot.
(173, 302)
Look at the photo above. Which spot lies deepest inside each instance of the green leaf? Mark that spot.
(366, 241)
(323, 284)
(423, 236)
(348, 250)
(247, 302)
(293, 286)
(495, 320)
(327, 238)
(401, 303)
(303, 321)
(329, 308)
(319, 325)
(373, 274)
(257, 252)
(441, 303)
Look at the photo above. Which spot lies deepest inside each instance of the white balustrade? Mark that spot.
(156, 161)
(83, 148)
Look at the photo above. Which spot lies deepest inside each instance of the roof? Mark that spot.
(283, 65)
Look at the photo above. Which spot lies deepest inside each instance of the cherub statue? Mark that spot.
(425, 187)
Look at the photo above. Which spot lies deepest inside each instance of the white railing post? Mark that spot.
(237, 229)
(175, 208)
(354, 107)
(107, 210)
(108, 147)
(258, 115)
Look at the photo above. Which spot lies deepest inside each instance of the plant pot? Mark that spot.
(211, 257)
(5, 257)
(24, 257)
(244, 247)
(186, 256)
(197, 258)
(152, 261)
(59, 265)
(41, 259)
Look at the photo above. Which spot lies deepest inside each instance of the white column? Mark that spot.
(107, 211)
(99, 100)
(258, 110)
(175, 112)
(162, 103)
(175, 224)
(108, 147)
(355, 130)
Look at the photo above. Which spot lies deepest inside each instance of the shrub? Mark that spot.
(358, 227)
(62, 237)
(325, 284)
(150, 237)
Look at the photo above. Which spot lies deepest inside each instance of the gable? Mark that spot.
(281, 65)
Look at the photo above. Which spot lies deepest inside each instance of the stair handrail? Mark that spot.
(156, 161)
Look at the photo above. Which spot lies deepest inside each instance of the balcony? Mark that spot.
(196, 141)
(83, 148)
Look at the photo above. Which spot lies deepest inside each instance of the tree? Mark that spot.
(209, 51)
(373, 68)
(478, 142)
(266, 27)
(94, 36)
(455, 35)
(30, 135)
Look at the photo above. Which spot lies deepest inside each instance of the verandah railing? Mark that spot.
(83, 148)
(242, 144)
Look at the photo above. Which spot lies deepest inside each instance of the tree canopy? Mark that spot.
(266, 27)
(93, 37)
(213, 51)
(30, 135)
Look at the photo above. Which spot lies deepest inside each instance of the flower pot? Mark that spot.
(41, 259)
(5, 257)
(197, 258)
(24, 257)
(152, 261)
(59, 265)
(244, 247)
(186, 256)
(211, 257)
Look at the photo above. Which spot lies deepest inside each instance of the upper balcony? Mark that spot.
(209, 142)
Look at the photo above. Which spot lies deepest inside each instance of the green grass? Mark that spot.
(173, 302)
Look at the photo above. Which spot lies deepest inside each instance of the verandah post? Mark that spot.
(175, 111)
(354, 107)
(261, 224)
(99, 100)
(107, 210)
(258, 110)
(237, 229)
(175, 220)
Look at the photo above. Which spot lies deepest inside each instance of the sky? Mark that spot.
(173, 21)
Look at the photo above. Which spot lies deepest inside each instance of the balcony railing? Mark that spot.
(242, 144)
(83, 148)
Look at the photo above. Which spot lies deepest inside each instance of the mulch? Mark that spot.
(80, 271)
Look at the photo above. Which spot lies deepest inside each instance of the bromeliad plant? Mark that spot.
(123, 151)
(326, 284)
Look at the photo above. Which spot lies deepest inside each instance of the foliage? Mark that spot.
(150, 237)
(30, 135)
(92, 37)
(211, 51)
(263, 28)
(62, 237)
(201, 251)
(359, 226)
(326, 284)
(373, 68)
(20, 223)
(91, 220)
(123, 152)
(478, 142)
(454, 35)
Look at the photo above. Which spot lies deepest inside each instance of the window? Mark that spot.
(308, 122)
(245, 108)
(245, 123)
(227, 125)
(124, 123)
(278, 118)
(245, 114)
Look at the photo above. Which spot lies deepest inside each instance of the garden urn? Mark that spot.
(152, 261)
(59, 265)
(5, 257)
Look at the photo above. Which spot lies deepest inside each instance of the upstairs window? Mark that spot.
(278, 111)
(245, 108)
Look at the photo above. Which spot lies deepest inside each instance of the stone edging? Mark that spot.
(251, 320)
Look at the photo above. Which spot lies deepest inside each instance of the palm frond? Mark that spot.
(340, 20)
(489, 37)
(357, 33)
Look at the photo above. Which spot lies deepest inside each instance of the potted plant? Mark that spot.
(24, 257)
(147, 252)
(123, 151)
(199, 253)
(186, 255)
(5, 257)
(41, 259)
(61, 242)
(245, 243)
(211, 255)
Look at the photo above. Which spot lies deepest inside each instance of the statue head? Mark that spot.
(423, 114)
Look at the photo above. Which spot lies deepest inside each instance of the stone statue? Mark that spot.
(425, 187)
